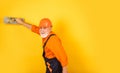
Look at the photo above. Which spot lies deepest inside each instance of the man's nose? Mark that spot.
(42, 29)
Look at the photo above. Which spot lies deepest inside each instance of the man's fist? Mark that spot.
(20, 21)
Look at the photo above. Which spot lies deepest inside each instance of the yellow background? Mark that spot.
(89, 31)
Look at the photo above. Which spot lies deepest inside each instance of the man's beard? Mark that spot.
(44, 35)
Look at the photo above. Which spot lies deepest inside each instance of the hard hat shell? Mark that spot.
(45, 22)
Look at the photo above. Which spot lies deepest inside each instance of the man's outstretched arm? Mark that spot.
(33, 28)
(20, 21)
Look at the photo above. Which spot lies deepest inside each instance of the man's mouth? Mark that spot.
(42, 33)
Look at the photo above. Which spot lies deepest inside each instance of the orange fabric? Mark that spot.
(35, 29)
(54, 48)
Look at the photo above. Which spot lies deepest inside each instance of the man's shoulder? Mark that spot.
(54, 36)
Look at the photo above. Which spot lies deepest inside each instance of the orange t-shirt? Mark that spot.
(53, 47)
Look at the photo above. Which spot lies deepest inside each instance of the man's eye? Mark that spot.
(43, 28)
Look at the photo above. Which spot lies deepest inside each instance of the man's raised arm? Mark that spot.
(20, 21)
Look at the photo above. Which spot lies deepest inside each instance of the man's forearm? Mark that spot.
(20, 21)
(29, 26)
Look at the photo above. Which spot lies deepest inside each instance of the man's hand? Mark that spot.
(19, 21)
(65, 70)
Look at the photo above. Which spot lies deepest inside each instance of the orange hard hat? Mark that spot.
(45, 22)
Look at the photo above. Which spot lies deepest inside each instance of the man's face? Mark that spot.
(44, 31)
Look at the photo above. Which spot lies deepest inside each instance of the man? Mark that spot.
(53, 51)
